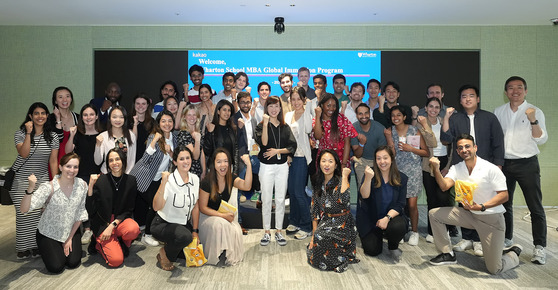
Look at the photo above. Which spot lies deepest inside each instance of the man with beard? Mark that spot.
(356, 94)
(168, 88)
(286, 83)
(370, 136)
(104, 105)
(484, 213)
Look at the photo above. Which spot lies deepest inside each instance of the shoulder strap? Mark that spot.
(51, 193)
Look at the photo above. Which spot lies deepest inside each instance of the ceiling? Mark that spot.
(295, 12)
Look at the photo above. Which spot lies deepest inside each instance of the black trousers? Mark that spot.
(435, 197)
(175, 236)
(143, 211)
(52, 253)
(526, 172)
(372, 243)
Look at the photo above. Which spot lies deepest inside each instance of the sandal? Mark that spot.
(165, 264)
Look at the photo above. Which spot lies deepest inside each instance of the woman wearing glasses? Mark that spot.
(176, 203)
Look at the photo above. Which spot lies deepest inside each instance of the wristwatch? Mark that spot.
(389, 217)
(535, 123)
(28, 193)
(114, 224)
(196, 231)
(482, 207)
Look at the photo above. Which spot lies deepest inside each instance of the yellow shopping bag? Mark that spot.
(194, 254)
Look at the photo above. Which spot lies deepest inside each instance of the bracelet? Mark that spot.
(389, 217)
(197, 231)
(58, 122)
(28, 193)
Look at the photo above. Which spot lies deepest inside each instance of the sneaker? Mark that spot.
(413, 239)
(23, 255)
(463, 245)
(301, 235)
(148, 240)
(443, 259)
(280, 239)
(477, 249)
(292, 229)
(35, 253)
(242, 198)
(265, 240)
(396, 255)
(539, 256)
(430, 239)
(507, 244)
(86, 238)
(517, 248)
(256, 196)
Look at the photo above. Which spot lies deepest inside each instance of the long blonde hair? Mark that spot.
(184, 124)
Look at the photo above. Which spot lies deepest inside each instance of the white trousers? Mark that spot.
(273, 175)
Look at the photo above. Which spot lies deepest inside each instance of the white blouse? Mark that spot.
(180, 198)
(301, 128)
(61, 212)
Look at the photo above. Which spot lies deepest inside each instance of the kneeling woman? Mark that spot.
(333, 244)
(380, 205)
(176, 203)
(110, 205)
(220, 233)
(63, 198)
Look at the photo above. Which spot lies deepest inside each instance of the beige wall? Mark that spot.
(35, 60)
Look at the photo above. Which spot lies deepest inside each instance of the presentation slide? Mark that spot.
(267, 65)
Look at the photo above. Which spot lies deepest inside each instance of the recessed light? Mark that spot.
(292, 5)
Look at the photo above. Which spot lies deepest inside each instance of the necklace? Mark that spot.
(116, 183)
(277, 144)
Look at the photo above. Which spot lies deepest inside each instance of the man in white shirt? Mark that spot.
(524, 129)
(229, 92)
(356, 94)
(485, 213)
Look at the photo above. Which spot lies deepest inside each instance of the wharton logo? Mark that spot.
(366, 54)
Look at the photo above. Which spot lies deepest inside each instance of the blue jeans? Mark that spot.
(255, 170)
(299, 201)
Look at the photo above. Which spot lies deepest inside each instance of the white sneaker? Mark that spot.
(430, 239)
(86, 238)
(463, 245)
(539, 256)
(281, 241)
(301, 235)
(292, 229)
(148, 240)
(477, 249)
(265, 240)
(413, 239)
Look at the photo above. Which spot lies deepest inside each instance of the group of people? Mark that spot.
(170, 169)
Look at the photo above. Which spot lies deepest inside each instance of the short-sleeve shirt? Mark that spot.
(374, 138)
(224, 195)
(488, 178)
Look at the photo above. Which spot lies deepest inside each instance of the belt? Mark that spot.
(345, 212)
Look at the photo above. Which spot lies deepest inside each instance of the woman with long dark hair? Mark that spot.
(82, 141)
(205, 107)
(141, 122)
(408, 159)
(148, 171)
(176, 203)
(37, 147)
(62, 118)
(381, 203)
(277, 143)
(220, 233)
(117, 136)
(63, 200)
(332, 129)
(333, 243)
(222, 132)
(110, 205)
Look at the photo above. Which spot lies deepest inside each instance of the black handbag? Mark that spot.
(9, 179)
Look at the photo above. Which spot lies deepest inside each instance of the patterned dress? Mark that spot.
(185, 138)
(409, 163)
(346, 129)
(334, 245)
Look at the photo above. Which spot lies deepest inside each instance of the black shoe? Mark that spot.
(35, 253)
(125, 249)
(517, 248)
(443, 259)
